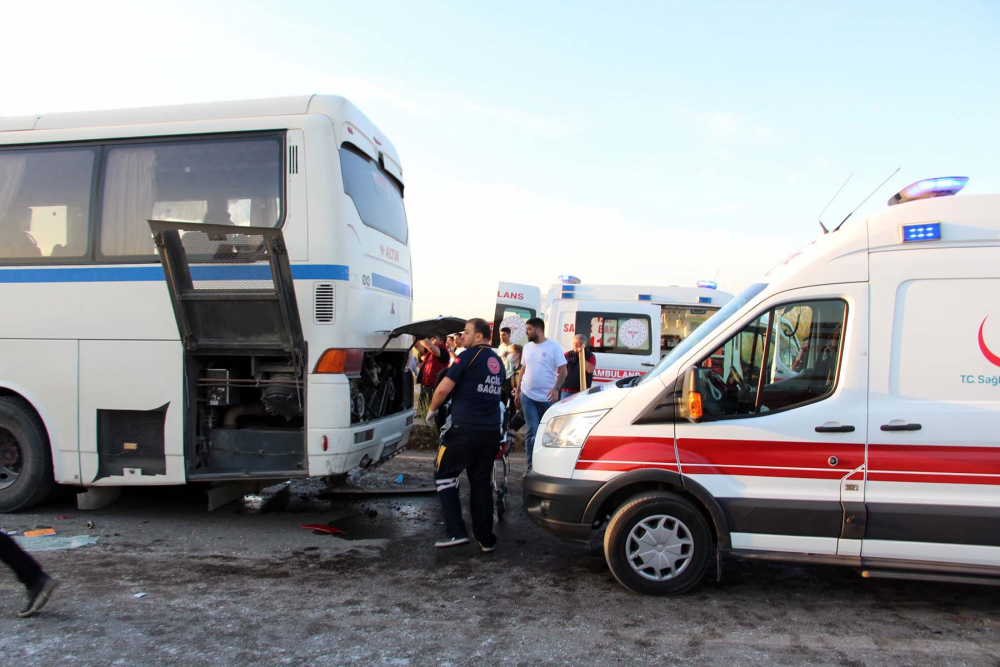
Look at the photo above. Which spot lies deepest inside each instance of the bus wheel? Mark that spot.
(658, 543)
(26, 477)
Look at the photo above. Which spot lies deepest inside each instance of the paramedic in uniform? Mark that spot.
(474, 382)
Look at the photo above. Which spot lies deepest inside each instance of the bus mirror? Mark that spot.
(691, 407)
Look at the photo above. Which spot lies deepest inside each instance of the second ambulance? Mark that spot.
(869, 438)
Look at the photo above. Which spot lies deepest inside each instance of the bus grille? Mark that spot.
(131, 439)
(324, 301)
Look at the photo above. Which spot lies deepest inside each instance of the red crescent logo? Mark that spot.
(992, 358)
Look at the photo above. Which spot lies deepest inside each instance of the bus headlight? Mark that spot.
(571, 430)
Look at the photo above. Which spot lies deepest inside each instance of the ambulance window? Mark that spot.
(616, 333)
(789, 356)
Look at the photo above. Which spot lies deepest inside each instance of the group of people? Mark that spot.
(479, 384)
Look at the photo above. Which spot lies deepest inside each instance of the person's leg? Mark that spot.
(531, 419)
(479, 472)
(452, 459)
(24, 566)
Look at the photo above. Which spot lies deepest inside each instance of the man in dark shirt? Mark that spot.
(474, 382)
(580, 349)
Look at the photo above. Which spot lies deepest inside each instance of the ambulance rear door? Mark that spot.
(516, 304)
(624, 335)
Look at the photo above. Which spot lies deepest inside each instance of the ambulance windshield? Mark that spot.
(710, 325)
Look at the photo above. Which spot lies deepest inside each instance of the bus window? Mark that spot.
(376, 193)
(228, 182)
(45, 203)
(615, 333)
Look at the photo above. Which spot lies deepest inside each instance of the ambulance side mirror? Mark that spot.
(690, 406)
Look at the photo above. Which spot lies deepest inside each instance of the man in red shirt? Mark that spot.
(435, 360)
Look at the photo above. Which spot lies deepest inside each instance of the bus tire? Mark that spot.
(658, 543)
(24, 452)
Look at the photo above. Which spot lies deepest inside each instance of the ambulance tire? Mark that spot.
(27, 446)
(680, 516)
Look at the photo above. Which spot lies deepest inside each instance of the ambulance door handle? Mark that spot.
(648, 365)
(834, 428)
(900, 427)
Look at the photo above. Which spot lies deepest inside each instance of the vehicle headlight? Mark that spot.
(570, 430)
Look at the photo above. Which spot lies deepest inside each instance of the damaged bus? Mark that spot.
(200, 293)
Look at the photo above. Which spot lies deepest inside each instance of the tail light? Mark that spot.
(340, 361)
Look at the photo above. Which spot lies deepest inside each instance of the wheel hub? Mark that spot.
(659, 547)
(10, 459)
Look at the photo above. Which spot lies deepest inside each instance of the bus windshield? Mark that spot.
(710, 325)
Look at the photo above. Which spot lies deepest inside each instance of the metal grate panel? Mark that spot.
(324, 303)
(131, 439)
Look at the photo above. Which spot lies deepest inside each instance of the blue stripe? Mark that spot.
(390, 285)
(117, 274)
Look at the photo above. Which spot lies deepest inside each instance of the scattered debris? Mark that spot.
(140, 595)
(64, 517)
(55, 543)
(399, 478)
(40, 532)
(90, 524)
(320, 528)
(346, 492)
(9, 532)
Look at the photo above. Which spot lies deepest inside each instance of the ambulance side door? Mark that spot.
(624, 336)
(933, 485)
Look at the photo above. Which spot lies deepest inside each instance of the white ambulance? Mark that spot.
(629, 327)
(877, 445)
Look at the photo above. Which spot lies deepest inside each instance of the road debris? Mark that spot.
(41, 532)
(140, 595)
(55, 543)
(321, 528)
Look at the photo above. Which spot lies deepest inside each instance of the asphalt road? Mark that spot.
(244, 585)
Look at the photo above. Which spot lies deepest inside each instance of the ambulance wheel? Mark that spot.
(26, 477)
(658, 543)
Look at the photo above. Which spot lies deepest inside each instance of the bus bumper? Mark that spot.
(359, 445)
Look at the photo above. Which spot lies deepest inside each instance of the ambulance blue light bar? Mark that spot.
(931, 187)
(645, 297)
(708, 284)
(928, 231)
(704, 299)
(569, 280)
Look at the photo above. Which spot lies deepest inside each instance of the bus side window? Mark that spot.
(45, 202)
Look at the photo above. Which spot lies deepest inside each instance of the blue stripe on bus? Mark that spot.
(390, 285)
(116, 274)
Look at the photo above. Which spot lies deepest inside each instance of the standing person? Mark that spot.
(579, 350)
(471, 444)
(543, 372)
(506, 353)
(39, 584)
(436, 359)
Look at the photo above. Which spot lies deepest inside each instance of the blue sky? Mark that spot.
(636, 143)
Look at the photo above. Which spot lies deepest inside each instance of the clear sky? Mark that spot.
(630, 143)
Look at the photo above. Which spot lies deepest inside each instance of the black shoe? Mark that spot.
(487, 549)
(451, 542)
(38, 595)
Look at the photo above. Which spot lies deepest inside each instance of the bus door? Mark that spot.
(244, 351)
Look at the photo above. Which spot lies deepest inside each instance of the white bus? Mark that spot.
(199, 293)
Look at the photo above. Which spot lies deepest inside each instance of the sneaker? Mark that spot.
(451, 542)
(39, 594)
(487, 549)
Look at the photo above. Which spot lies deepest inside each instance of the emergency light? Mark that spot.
(569, 280)
(708, 284)
(931, 187)
(928, 231)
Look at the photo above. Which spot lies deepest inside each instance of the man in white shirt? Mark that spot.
(543, 372)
